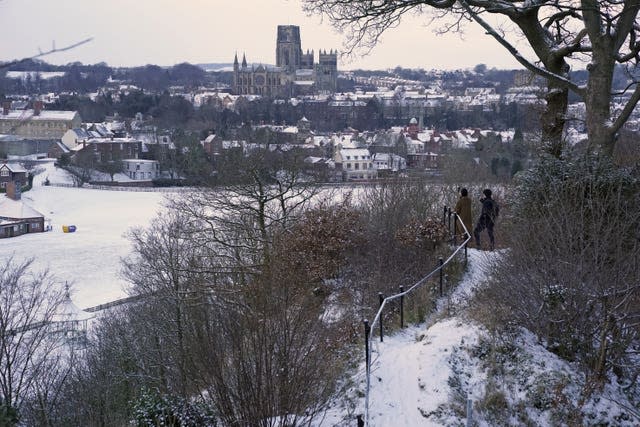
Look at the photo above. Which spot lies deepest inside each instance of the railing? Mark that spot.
(123, 188)
(446, 219)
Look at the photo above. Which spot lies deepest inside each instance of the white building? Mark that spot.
(389, 162)
(356, 163)
(141, 170)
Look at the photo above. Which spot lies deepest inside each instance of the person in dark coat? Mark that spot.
(463, 209)
(487, 218)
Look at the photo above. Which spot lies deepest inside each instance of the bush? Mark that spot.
(154, 409)
(567, 277)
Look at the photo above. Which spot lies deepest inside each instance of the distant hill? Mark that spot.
(222, 66)
(216, 66)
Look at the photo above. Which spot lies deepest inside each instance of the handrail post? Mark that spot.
(444, 215)
(441, 274)
(449, 216)
(367, 332)
(466, 256)
(381, 298)
(401, 307)
(455, 229)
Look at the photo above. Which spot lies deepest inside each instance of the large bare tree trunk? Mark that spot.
(598, 103)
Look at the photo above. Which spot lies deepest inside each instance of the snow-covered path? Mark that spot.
(410, 369)
(410, 374)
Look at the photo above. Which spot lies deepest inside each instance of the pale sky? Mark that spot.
(167, 32)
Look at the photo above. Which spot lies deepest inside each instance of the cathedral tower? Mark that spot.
(288, 47)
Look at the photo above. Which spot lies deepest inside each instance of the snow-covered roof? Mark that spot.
(80, 133)
(44, 75)
(314, 159)
(13, 167)
(354, 152)
(304, 72)
(44, 115)
(69, 312)
(16, 209)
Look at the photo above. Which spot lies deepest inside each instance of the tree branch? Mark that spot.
(627, 110)
(48, 52)
(518, 56)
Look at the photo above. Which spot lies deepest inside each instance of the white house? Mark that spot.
(356, 163)
(389, 162)
(141, 170)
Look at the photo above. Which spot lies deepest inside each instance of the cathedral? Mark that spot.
(295, 73)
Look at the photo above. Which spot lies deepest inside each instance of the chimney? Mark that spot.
(37, 108)
(13, 190)
(6, 106)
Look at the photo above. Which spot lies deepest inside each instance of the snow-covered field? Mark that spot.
(89, 259)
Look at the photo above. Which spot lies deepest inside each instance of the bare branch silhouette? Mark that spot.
(48, 52)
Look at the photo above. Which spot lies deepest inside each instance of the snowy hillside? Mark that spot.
(89, 259)
(424, 375)
(420, 376)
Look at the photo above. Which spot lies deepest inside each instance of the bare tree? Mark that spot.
(28, 300)
(602, 32)
(270, 193)
(110, 167)
(42, 53)
(44, 405)
(82, 167)
(175, 276)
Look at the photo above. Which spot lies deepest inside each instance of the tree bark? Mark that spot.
(598, 101)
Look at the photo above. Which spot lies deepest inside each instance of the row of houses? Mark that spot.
(351, 155)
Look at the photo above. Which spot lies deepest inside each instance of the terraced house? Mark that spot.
(37, 122)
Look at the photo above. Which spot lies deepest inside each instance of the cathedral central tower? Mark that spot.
(295, 72)
(288, 48)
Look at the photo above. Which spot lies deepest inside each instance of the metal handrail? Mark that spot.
(398, 295)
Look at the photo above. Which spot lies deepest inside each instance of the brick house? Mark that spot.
(12, 172)
(16, 218)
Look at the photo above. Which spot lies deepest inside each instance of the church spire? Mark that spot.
(235, 62)
(244, 61)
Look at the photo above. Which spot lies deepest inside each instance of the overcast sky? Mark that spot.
(167, 32)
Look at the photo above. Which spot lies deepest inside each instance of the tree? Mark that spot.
(110, 167)
(84, 163)
(480, 68)
(250, 342)
(267, 191)
(584, 303)
(602, 32)
(28, 301)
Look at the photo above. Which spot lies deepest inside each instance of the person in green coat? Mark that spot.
(463, 209)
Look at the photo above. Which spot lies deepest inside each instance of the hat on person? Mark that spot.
(487, 192)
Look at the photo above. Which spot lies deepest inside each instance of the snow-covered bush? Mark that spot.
(569, 275)
(153, 409)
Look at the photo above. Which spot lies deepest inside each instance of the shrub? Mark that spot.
(567, 277)
(153, 409)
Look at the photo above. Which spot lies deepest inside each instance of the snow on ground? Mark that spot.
(424, 374)
(410, 372)
(88, 259)
(420, 376)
